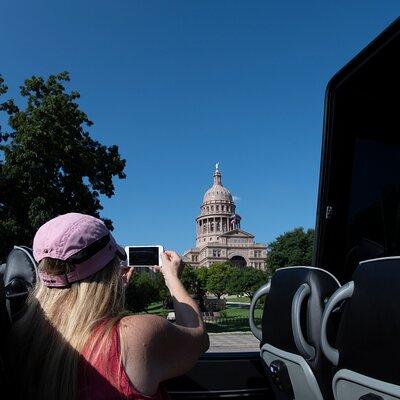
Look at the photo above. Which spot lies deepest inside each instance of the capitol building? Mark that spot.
(219, 236)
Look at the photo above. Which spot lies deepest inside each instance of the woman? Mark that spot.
(76, 342)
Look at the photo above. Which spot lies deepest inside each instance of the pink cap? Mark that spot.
(82, 240)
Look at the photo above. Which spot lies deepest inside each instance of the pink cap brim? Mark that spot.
(87, 268)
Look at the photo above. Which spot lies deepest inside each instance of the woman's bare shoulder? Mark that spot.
(144, 324)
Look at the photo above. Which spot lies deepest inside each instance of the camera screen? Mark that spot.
(143, 256)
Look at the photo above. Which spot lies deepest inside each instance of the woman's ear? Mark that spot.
(127, 273)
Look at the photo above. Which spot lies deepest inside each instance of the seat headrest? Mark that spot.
(369, 330)
(4, 319)
(277, 323)
(19, 278)
(2, 270)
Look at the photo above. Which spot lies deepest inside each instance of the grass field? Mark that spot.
(232, 319)
(237, 299)
(157, 308)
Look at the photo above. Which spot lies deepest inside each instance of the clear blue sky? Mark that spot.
(179, 85)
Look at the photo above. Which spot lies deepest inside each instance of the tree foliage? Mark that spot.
(195, 280)
(143, 289)
(218, 278)
(163, 291)
(189, 279)
(49, 164)
(290, 249)
(246, 280)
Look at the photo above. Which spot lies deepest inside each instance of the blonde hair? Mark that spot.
(49, 338)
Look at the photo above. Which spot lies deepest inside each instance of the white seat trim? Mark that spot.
(371, 384)
(380, 259)
(308, 267)
(295, 358)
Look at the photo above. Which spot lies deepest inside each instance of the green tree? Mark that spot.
(246, 280)
(163, 291)
(195, 281)
(141, 292)
(189, 279)
(219, 275)
(290, 249)
(202, 276)
(49, 164)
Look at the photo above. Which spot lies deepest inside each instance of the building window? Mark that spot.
(257, 253)
(216, 253)
(212, 208)
(217, 207)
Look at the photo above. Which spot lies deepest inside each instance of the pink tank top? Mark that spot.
(104, 378)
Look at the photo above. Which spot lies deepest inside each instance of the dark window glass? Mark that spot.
(373, 228)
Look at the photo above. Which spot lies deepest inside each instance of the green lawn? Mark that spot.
(232, 318)
(237, 299)
(157, 308)
(240, 312)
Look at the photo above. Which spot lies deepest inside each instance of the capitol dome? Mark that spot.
(217, 192)
(219, 236)
(217, 212)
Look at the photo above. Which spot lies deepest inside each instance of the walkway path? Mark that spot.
(236, 303)
(233, 341)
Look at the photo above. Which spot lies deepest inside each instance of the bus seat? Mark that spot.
(4, 330)
(19, 278)
(367, 357)
(290, 345)
(2, 270)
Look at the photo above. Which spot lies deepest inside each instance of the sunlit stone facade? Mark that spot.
(219, 236)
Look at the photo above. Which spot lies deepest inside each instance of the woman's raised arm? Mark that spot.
(154, 348)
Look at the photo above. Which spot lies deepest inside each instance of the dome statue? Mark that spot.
(217, 191)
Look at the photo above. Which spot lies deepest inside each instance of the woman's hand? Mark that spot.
(127, 273)
(172, 266)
